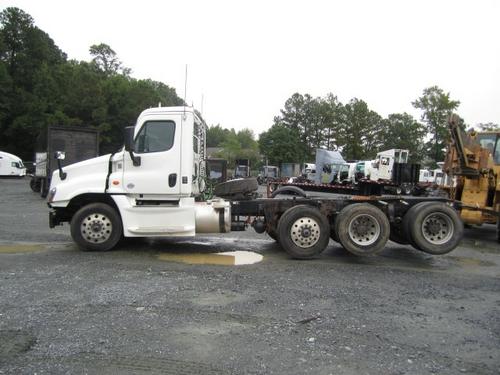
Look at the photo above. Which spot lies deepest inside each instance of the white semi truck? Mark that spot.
(153, 187)
(11, 165)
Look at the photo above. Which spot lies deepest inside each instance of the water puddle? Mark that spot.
(231, 258)
(13, 249)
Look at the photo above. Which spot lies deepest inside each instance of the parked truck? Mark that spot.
(151, 188)
(268, 173)
(242, 168)
(77, 144)
(11, 165)
(216, 170)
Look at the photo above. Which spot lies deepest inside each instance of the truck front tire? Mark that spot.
(35, 185)
(303, 232)
(44, 187)
(362, 229)
(96, 227)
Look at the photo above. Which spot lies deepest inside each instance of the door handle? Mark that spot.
(172, 179)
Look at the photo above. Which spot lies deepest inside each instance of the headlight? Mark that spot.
(52, 194)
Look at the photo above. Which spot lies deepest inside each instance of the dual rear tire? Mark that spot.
(433, 227)
(362, 229)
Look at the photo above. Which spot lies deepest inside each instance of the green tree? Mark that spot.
(401, 130)
(280, 144)
(216, 135)
(436, 106)
(295, 116)
(231, 148)
(27, 57)
(333, 119)
(39, 87)
(106, 60)
(361, 132)
(246, 138)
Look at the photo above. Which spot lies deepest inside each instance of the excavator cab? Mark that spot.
(491, 142)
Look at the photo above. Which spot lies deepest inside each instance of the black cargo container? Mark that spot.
(78, 144)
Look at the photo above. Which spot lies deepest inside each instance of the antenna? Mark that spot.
(185, 88)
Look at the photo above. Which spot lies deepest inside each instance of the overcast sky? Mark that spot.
(247, 58)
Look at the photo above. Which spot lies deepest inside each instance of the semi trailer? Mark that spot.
(153, 187)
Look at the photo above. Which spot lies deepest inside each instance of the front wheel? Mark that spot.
(96, 227)
(303, 232)
(362, 229)
(35, 185)
(44, 187)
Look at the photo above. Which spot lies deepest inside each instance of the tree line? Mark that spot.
(306, 123)
(40, 86)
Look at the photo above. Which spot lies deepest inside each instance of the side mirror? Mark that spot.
(60, 155)
(129, 145)
(129, 138)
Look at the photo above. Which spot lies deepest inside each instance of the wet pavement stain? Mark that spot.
(472, 262)
(13, 343)
(231, 258)
(14, 249)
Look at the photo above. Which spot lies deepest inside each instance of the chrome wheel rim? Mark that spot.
(96, 228)
(437, 228)
(305, 232)
(364, 230)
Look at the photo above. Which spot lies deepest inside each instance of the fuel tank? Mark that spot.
(213, 216)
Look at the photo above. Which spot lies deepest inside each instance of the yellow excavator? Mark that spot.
(472, 166)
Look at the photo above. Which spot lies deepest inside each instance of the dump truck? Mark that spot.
(153, 187)
(77, 144)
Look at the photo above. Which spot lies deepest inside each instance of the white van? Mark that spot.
(11, 165)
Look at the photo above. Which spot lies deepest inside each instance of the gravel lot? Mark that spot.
(130, 311)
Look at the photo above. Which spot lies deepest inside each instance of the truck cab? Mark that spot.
(11, 165)
(148, 188)
(384, 163)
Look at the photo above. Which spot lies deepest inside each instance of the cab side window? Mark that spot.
(155, 136)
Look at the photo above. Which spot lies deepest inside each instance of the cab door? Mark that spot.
(385, 168)
(158, 145)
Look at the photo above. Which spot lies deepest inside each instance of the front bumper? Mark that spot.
(58, 215)
(54, 219)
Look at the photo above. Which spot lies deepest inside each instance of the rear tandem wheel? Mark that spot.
(362, 229)
(433, 227)
(303, 232)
